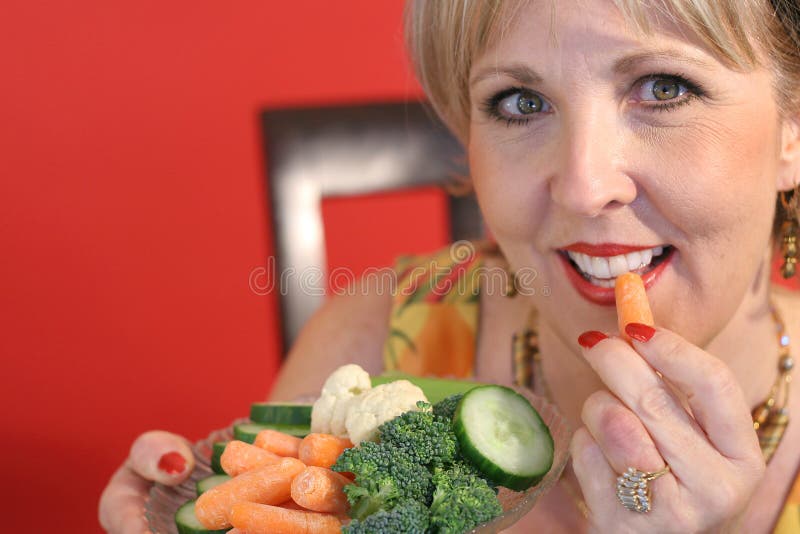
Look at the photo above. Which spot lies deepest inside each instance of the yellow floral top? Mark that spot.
(433, 326)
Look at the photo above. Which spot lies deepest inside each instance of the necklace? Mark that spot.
(770, 417)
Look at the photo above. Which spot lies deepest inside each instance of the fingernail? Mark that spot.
(640, 332)
(172, 463)
(591, 338)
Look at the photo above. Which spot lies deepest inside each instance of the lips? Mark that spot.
(592, 269)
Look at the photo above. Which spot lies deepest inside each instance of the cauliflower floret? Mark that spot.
(348, 379)
(378, 405)
(339, 415)
(328, 413)
(321, 414)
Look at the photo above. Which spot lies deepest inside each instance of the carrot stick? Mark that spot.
(632, 304)
(278, 442)
(256, 518)
(321, 490)
(291, 505)
(271, 484)
(239, 457)
(322, 450)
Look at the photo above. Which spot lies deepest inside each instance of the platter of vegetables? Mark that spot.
(372, 454)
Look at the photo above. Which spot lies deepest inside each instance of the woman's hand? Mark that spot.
(712, 451)
(155, 456)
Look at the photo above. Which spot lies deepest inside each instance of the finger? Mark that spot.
(678, 438)
(620, 434)
(595, 476)
(599, 485)
(121, 509)
(714, 396)
(161, 457)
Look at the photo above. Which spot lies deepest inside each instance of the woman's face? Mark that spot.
(593, 150)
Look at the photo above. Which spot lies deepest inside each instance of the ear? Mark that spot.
(789, 169)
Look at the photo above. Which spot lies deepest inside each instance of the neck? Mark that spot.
(747, 344)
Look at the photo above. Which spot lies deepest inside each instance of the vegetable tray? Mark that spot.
(164, 501)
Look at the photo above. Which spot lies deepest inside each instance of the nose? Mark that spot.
(589, 176)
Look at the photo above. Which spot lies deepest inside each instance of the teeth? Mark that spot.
(603, 270)
(618, 265)
(647, 256)
(633, 261)
(600, 268)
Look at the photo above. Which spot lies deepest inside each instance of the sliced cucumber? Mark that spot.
(210, 482)
(504, 436)
(247, 432)
(216, 453)
(280, 413)
(188, 523)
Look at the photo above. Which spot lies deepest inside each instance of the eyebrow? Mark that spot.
(527, 76)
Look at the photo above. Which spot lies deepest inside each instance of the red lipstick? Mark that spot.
(604, 296)
(606, 249)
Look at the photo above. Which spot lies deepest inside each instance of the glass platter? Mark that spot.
(164, 501)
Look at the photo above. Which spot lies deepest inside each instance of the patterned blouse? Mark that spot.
(433, 328)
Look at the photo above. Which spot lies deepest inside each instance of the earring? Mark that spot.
(789, 230)
(511, 284)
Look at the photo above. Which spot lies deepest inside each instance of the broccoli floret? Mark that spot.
(427, 438)
(461, 500)
(447, 407)
(407, 517)
(385, 475)
(463, 473)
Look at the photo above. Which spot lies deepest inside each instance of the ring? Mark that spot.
(633, 491)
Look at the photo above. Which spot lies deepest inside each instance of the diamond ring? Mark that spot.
(633, 491)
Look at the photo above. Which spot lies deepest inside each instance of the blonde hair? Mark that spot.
(445, 36)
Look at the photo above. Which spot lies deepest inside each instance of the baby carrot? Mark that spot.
(322, 450)
(278, 442)
(239, 457)
(291, 505)
(321, 490)
(271, 484)
(256, 518)
(632, 304)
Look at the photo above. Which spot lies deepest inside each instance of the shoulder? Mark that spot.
(350, 327)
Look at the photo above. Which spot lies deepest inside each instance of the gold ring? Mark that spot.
(633, 491)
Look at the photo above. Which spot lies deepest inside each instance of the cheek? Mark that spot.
(714, 180)
(512, 196)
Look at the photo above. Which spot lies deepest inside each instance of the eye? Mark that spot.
(662, 89)
(516, 105)
(522, 103)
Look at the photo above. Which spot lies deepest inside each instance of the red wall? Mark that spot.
(132, 210)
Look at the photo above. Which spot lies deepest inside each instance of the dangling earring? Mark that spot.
(511, 284)
(789, 230)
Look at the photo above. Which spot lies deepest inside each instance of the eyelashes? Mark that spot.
(513, 105)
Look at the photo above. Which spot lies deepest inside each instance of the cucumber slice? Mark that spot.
(281, 413)
(216, 453)
(435, 389)
(247, 431)
(188, 523)
(210, 482)
(504, 436)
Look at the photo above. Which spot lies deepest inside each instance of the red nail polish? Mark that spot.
(172, 463)
(640, 332)
(591, 338)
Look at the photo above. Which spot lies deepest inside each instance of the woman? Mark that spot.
(599, 132)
